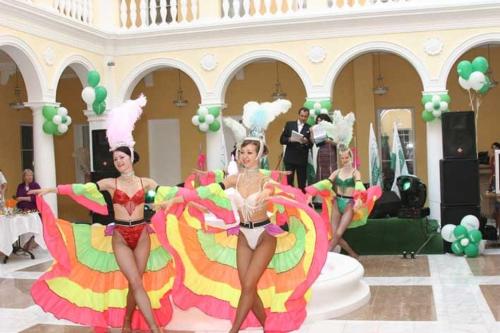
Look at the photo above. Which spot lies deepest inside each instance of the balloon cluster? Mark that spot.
(93, 94)
(473, 75)
(434, 106)
(316, 108)
(56, 121)
(465, 237)
(206, 119)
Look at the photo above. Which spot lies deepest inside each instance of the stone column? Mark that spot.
(43, 152)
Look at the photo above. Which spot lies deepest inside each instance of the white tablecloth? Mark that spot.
(11, 227)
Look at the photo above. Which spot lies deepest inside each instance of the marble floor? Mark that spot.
(429, 294)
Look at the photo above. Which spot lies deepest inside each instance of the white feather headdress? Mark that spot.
(121, 121)
(256, 118)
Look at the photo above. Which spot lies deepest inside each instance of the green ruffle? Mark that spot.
(214, 193)
(164, 193)
(281, 262)
(219, 175)
(323, 185)
(105, 261)
(89, 191)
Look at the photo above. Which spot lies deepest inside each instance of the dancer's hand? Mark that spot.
(198, 206)
(42, 191)
(309, 198)
(357, 204)
(166, 205)
(199, 172)
(263, 196)
(286, 172)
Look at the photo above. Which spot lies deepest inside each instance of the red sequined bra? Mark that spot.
(129, 203)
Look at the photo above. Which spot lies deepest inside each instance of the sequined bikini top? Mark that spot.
(129, 203)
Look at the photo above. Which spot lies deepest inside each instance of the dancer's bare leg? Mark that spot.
(126, 259)
(335, 224)
(244, 255)
(261, 257)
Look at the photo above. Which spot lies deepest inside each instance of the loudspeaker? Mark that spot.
(459, 135)
(459, 182)
(454, 214)
(101, 156)
(387, 205)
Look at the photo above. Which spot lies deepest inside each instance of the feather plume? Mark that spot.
(342, 133)
(121, 121)
(257, 117)
(239, 131)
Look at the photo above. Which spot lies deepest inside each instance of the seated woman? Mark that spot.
(101, 274)
(26, 201)
(247, 269)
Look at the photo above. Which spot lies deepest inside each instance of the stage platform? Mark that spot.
(395, 235)
(338, 291)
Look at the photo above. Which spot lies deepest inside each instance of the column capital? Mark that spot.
(92, 117)
(222, 105)
(318, 98)
(40, 104)
(435, 92)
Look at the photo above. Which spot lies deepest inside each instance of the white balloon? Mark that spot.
(436, 98)
(195, 120)
(203, 111)
(447, 233)
(477, 80)
(470, 222)
(209, 119)
(466, 84)
(203, 127)
(62, 111)
(464, 242)
(88, 95)
(62, 128)
(436, 113)
(428, 106)
(324, 111)
(444, 106)
(317, 105)
(57, 119)
(68, 120)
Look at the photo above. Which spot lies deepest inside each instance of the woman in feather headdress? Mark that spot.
(254, 258)
(102, 274)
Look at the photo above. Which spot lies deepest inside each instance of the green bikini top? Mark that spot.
(345, 183)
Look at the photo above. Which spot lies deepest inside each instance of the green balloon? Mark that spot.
(49, 112)
(427, 116)
(480, 64)
(309, 104)
(311, 120)
(201, 118)
(436, 105)
(445, 98)
(49, 127)
(326, 105)
(471, 250)
(317, 112)
(486, 86)
(100, 94)
(214, 111)
(426, 98)
(475, 236)
(93, 78)
(214, 126)
(457, 248)
(99, 108)
(460, 232)
(464, 69)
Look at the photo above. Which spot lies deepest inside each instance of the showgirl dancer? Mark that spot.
(102, 274)
(255, 264)
(346, 202)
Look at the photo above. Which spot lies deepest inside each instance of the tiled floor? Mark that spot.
(431, 294)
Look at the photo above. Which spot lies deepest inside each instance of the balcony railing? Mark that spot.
(144, 15)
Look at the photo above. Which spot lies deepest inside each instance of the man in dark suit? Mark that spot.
(296, 152)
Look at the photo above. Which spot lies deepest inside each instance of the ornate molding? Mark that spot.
(433, 46)
(208, 62)
(49, 56)
(316, 54)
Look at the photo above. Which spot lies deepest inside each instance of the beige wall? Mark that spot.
(10, 135)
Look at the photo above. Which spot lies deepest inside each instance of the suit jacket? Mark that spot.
(295, 153)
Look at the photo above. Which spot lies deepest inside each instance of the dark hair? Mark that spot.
(126, 150)
(303, 109)
(495, 145)
(256, 143)
(324, 116)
